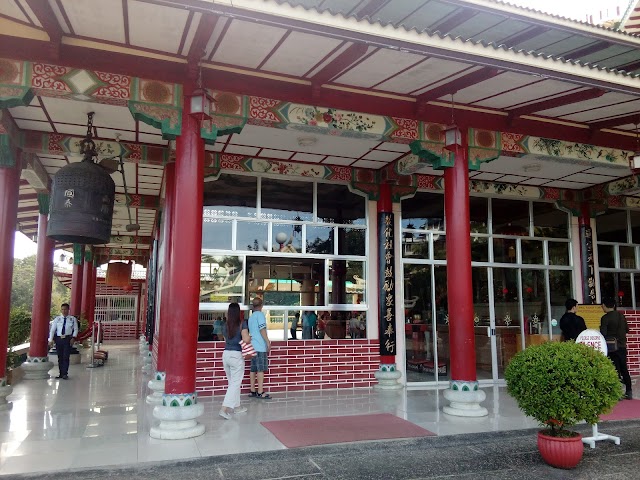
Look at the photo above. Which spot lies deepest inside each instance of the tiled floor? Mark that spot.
(99, 417)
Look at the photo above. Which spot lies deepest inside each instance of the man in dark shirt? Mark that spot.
(570, 323)
(614, 324)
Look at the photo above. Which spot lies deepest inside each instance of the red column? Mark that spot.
(459, 285)
(42, 291)
(76, 282)
(166, 292)
(9, 188)
(91, 306)
(87, 277)
(185, 265)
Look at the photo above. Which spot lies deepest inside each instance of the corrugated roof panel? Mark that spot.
(538, 44)
(394, 12)
(478, 24)
(429, 15)
(568, 45)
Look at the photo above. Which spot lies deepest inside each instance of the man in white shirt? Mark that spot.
(63, 331)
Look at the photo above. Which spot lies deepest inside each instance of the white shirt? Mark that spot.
(58, 324)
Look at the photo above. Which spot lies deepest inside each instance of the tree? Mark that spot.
(24, 277)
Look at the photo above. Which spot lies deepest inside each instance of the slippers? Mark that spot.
(253, 394)
(264, 396)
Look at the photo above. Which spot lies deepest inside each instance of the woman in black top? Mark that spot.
(233, 331)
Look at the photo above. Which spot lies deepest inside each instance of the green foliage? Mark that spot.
(24, 275)
(19, 331)
(561, 384)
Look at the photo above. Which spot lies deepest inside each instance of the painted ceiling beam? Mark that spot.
(557, 102)
(27, 197)
(202, 36)
(458, 84)
(615, 122)
(340, 63)
(454, 21)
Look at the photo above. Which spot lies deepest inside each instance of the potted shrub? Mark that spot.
(560, 385)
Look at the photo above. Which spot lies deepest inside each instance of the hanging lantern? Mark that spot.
(452, 138)
(119, 274)
(200, 103)
(82, 198)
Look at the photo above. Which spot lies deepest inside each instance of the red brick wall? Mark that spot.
(119, 331)
(297, 365)
(633, 341)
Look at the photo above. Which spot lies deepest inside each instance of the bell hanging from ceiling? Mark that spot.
(82, 198)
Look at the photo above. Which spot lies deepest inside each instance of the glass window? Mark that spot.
(221, 279)
(606, 256)
(532, 252)
(232, 195)
(479, 249)
(286, 200)
(612, 226)
(439, 247)
(424, 211)
(510, 217)
(351, 241)
(558, 253)
(347, 282)
(635, 226)
(617, 286)
(319, 240)
(504, 250)
(216, 234)
(627, 257)
(415, 245)
(548, 221)
(337, 204)
(252, 236)
(478, 214)
(534, 303)
(560, 289)
(287, 238)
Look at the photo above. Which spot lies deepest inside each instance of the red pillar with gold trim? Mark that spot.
(87, 278)
(180, 408)
(9, 188)
(157, 384)
(463, 393)
(76, 280)
(38, 365)
(387, 374)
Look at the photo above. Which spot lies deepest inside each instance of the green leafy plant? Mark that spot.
(561, 384)
(19, 331)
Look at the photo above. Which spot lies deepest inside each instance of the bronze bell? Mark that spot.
(82, 198)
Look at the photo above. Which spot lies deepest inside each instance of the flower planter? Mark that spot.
(561, 452)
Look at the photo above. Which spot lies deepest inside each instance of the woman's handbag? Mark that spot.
(247, 350)
(612, 344)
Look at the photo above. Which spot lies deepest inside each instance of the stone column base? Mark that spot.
(388, 376)
(5, 391)
(177, 422)
(464, 398)
(157, 385)
(36, 368)
(147, 360)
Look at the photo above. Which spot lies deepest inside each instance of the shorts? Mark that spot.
(260, 363)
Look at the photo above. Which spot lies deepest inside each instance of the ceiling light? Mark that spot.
(307, 141)
(532, 167)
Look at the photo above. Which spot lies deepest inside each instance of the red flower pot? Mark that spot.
(560, 452)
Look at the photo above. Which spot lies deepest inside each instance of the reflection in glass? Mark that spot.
(319, 240)
(232, 196)
(532, 252)
(481, 320)
(286, 200)
(606, 256)
(347, 283)
(617, 286)
(216, 234)
(478, 214)
(479, 249)
(558, 253)
(252, 236)
(351, 241)
(336, 204)
(424, 211)
(634, 219)
(534, 305)
(550, 222)
(221, 279)
(627, 257)
(560, 289)
(415, 245)
(439, 247)
(287, 238)
(504, 250)
(285, 282)
(510, 217)
(612, 226)
(507, 314)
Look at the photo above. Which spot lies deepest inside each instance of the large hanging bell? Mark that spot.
(81, 206)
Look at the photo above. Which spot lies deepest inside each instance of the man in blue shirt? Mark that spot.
(262, 345)
(64, 330)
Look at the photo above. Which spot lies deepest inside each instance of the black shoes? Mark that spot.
(64, 377)
(628, 395)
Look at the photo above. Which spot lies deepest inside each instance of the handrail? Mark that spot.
(19, 349)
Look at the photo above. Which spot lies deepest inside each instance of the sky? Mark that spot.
(576, 9)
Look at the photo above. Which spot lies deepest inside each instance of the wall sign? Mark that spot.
(386, 269)
(588, 267)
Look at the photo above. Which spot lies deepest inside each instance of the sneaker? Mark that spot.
(224, 414)
(240, 409)
(253, 394)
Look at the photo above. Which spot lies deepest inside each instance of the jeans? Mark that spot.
(233, 364)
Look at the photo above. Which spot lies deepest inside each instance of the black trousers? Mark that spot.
(63, 347)
(619, 359)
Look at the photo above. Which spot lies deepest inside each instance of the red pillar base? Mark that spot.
(464, 399)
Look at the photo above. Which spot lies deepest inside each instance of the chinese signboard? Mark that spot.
(387, 287)
(588, 268)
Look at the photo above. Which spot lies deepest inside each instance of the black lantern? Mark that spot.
(82, 198)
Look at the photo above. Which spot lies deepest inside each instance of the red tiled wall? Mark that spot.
(297, 365)
(633, 341)
(118, 331)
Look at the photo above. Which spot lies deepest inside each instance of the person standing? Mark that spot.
(294, 326)
(613, 324)
(63, 331)
(309, 320)
(570, 323)
(262, 345)
(233, 331)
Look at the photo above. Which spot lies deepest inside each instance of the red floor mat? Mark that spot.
(624, 410)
